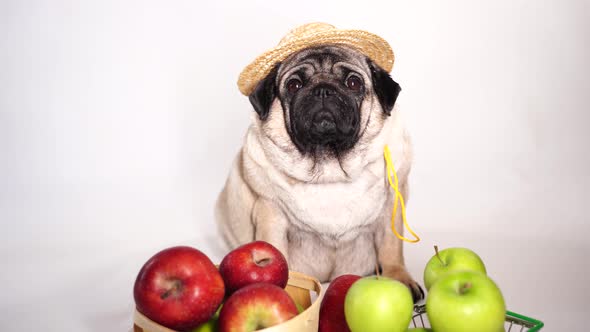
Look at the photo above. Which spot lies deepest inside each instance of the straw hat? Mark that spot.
(315, 34)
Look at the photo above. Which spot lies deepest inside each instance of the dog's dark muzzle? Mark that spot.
(325, 118)
(323, 124)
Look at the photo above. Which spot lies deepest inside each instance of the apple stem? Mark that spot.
(437, 255)
(263, 262)
(377, 269)
(464, 288)
(176, 286)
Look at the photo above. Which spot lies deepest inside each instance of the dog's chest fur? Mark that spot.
(333, 210)
(332, 223)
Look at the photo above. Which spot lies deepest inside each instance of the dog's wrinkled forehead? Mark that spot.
(336, 60)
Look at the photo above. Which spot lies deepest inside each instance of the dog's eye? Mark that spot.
(293, 85)
(354, 83)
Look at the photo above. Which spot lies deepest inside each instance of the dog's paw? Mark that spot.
(401, 274)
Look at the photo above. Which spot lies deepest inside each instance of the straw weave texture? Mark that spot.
(310, 35)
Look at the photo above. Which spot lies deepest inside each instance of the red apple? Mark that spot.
(255, 307)
(179, 288)
(254, 262)
(332, 308)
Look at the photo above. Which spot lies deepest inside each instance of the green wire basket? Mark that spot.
(513, 320)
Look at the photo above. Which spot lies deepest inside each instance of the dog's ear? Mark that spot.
(264, 94)
(385, 87)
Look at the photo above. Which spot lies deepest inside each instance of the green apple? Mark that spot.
(210, 325)
(465, 301)
(300, 308)
(448, 260)
(378, 304)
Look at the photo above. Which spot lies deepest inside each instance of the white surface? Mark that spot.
(119, 120)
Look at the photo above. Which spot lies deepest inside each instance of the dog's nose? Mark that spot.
(323, 91)
(324, 123)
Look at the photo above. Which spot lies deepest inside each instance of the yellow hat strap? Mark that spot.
(398, 195)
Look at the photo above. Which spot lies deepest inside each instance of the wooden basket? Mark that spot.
(299, 288)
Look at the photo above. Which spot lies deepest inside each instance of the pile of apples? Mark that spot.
(181, 288)
(461, 298)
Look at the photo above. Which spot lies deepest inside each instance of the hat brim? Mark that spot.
(373, 46)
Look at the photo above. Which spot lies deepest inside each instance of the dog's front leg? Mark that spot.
(390, 250)
(391, 261)
(270, 225)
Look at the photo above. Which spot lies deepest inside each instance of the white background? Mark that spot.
(119, 121)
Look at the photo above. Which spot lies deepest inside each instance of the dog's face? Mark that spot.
(331, 97)
(322, 91)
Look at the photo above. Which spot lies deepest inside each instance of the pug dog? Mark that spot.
(310, 177)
